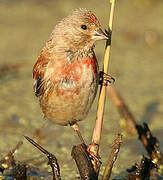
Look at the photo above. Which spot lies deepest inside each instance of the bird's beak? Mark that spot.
(99, 35)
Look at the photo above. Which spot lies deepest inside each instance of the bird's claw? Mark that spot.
(106, 79)
(108, 33)
(93, 156)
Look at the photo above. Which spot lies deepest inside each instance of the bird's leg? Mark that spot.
(105, 79)
(75, 127)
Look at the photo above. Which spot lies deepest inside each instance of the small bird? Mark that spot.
(66, 72)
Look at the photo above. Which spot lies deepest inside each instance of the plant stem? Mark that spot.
(101, 104)
(113, 156)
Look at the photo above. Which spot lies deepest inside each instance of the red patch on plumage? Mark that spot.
(93, 18)
(91, 64)
(74, 70)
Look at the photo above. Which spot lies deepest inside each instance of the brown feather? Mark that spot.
(39, 70)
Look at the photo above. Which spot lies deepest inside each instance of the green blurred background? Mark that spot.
(136, 63)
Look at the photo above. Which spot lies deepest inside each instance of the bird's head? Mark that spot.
(80, 29)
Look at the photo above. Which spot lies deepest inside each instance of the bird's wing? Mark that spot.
(39, 70)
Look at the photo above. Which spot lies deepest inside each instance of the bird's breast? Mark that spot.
(73, 93)
(80, 68)
(78, 74)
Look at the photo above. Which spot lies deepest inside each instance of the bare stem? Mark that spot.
(113, 156)
(101, 104)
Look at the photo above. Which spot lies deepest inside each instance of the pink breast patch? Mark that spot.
(91, 63)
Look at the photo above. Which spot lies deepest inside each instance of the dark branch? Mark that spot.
(52, 159)
(83, 162)
(150, 143)
(142, 171)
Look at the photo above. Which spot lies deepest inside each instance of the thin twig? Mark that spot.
(94, 147)
(52, 159)
(98, 124)
(113, 156)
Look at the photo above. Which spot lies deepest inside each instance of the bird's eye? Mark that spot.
(84, 27)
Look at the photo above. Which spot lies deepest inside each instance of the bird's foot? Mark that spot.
(109, 35)
(92, 150)
(105, 79)
(75, 127)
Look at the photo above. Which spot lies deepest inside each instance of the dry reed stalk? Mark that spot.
(94, 146)
(100, 109)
